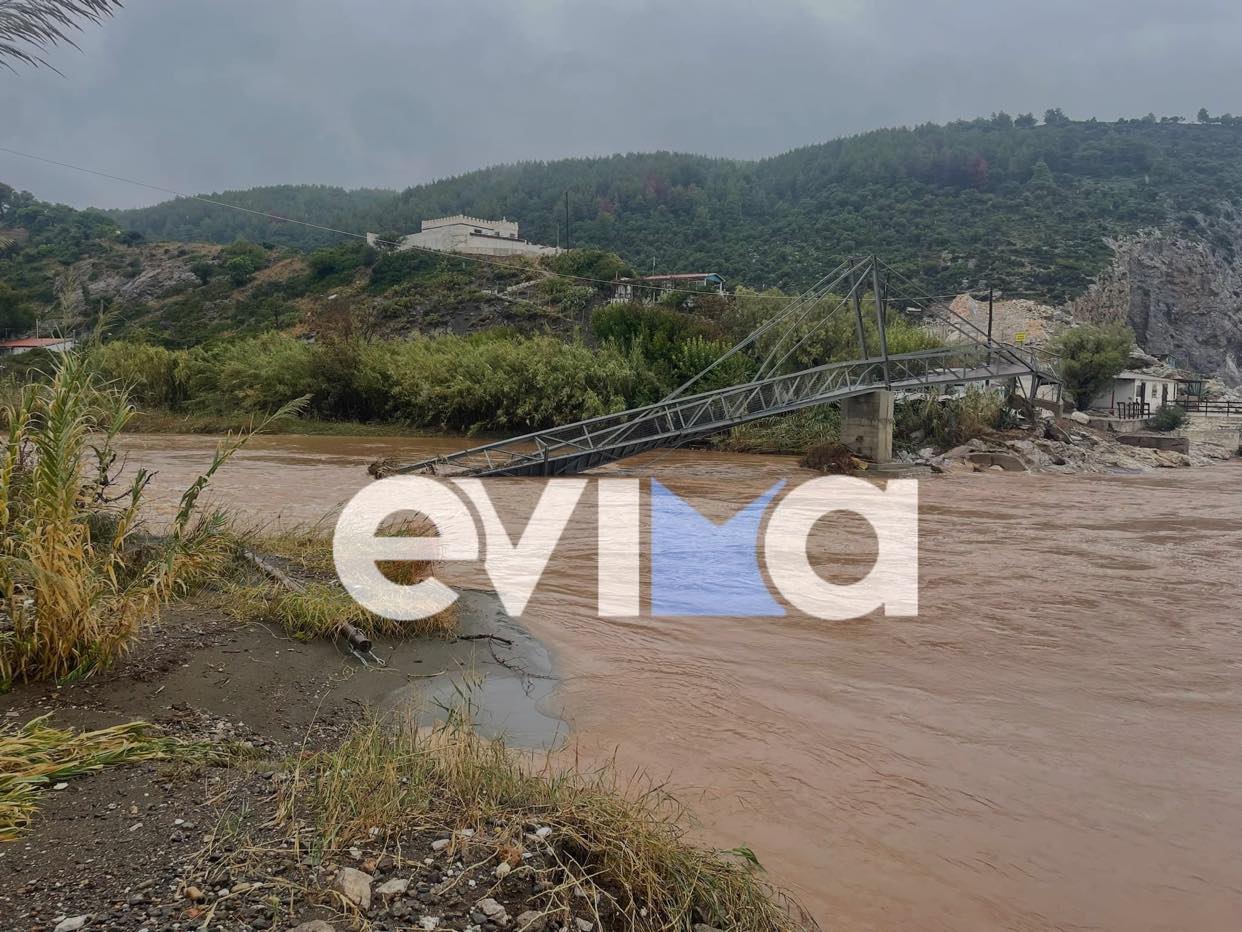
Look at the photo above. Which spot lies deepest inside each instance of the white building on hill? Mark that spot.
(471, 236)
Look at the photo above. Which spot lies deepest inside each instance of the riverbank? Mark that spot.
(165, 421)
(321, 814)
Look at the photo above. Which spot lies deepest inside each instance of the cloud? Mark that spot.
(203, 95)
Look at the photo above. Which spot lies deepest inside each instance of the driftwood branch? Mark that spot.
(357, 640)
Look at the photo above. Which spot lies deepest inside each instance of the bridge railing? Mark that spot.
(706, 412)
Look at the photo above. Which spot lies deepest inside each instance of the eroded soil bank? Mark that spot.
(120, 846)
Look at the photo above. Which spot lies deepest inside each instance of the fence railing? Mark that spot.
(1132, 410)
(1213, 408)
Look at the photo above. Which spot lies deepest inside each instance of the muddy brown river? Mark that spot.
(1055, 742)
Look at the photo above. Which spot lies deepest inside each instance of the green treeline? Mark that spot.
(491, 381)
(1000, 200)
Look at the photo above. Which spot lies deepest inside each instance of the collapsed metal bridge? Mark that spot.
(686, 414)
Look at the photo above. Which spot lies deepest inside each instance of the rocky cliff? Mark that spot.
(1181, 292)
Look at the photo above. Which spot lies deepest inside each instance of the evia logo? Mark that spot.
(697, 565)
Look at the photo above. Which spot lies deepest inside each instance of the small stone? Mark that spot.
(355, 886)
(427, 923)
(393, 888)
(61, 786)
(490, 908)
(72, 924)
(194, 894)
(543, 832)
(584, 925)
(440, 844)
(531, 921)
(315, 925)
(502, 870)
(466, 832)
(355, 853)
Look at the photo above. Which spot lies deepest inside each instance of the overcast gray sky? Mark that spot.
(205, 95)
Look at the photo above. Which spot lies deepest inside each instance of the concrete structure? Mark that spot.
(54, 344)
(1157, 442)
(867, 425)
(1137, 394)
(651, 288)
(471, 236)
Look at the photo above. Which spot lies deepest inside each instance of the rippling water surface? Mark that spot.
(1055, 742)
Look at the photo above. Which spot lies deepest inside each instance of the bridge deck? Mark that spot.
(586, 444)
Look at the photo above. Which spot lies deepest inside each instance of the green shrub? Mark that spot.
(339, 263)
(149, 373)
(590, 263)
(1091, 357)
(947, 421)
(1169, 417)
(395, 268)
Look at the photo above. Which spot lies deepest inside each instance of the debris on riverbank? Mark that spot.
(1065, 446)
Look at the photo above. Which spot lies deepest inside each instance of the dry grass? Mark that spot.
(76, 583)
(35, 755)
(629, 845)
(319, 609)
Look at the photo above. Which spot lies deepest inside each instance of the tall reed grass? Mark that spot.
(77, 579)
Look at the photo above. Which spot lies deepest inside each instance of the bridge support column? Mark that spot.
(867, 425)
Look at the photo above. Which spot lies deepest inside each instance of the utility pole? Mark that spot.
(989, 315)
(880, 315)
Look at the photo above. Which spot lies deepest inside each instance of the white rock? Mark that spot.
(585, 925)
(490, 908)
(543, 832)
(393, 888)
(1079, 417)
(72, 924)
(440, 844)
(502, 869)
(466, 832)
(355, 886)
(61, 786)
(428, 922)
(355, 853)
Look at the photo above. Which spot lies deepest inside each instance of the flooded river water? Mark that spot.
(1055, 742)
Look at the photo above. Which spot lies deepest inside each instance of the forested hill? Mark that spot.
(1024, 207)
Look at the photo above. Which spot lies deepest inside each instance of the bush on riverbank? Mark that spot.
(482, 382)
(946, 421)
(1169, 418)
(77, 579)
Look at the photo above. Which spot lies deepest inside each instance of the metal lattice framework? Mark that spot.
(684, 414)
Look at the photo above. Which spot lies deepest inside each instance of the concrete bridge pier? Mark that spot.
(867, 425)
